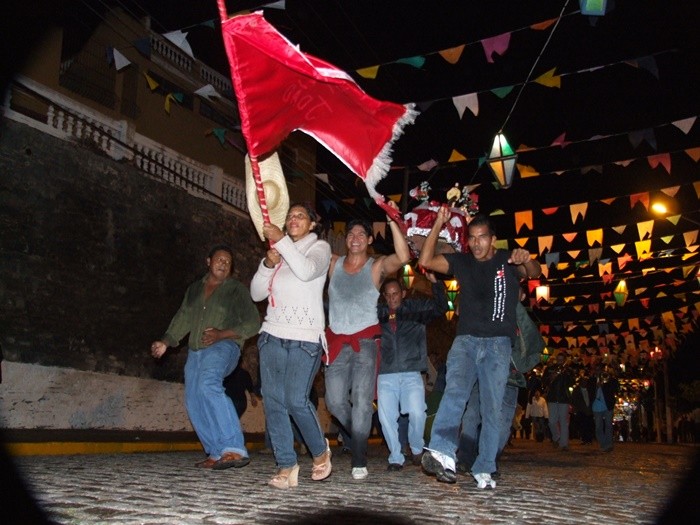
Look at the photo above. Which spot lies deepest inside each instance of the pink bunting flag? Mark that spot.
(495, 45)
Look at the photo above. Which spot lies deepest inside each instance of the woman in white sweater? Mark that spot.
(291, 277)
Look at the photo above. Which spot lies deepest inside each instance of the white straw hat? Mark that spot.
(276, 194)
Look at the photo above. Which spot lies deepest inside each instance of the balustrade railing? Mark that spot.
(69, 120)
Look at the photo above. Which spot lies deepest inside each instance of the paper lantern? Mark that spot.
(408, 276)
(593, 7)
(502, 161)
(621, 293)
(542, 292)
(544, 357)
(452, 291)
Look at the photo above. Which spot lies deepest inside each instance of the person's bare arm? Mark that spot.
(427, 258)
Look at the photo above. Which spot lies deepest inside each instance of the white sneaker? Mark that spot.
(484, 480)
(359, 472)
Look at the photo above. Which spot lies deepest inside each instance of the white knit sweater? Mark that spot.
(294, 289)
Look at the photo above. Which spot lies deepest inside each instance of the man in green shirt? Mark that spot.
(219, 315)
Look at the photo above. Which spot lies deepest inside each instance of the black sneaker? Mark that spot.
(433, 466)
(394, 467)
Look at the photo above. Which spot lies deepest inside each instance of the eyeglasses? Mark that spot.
(298, 216)
(222, 260)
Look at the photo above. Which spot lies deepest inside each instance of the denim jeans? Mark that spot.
(471, 359)
(401, 393)
(350, 385)
(471, 421)
(287, 372)
(559, 423)
(210, 410)
(604, 429)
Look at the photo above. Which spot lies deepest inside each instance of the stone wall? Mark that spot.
(95, 257)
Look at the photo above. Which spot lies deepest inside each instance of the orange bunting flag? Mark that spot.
(527, 171)
(453, 54)
(693, 153)
(607, 278)
(622, 261)
(523, 218)
(690, 238)
(640, 197)
(456, 156)
(604, 268)
(545, 243)
(522, 241)
(671, 192)
(578, 209)
(569, 237)
(541, 26)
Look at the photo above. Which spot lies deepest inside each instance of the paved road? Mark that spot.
(538, 485)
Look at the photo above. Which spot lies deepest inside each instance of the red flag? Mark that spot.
(280, 89)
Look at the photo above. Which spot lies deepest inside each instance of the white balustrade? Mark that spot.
(72, 121)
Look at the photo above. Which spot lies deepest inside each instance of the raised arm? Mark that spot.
(427, 258)
(402, 254)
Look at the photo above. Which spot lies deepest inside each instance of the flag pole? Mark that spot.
(259, 188)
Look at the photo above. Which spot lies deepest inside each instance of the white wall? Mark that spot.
(35, 396)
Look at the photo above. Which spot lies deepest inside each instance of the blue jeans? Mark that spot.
(472, 359)
(471, 421)
(604, 429)
(559, 423)
(210, 410)
(287, 372)
(350, 383)
(401, 393)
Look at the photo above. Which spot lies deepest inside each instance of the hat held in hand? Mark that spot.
(276, 194)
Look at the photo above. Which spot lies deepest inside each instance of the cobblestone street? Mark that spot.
(538, 484)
